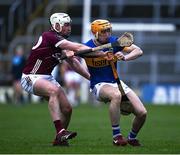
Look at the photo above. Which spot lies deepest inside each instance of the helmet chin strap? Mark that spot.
(97, 39)
(97, 42)
(96, 35)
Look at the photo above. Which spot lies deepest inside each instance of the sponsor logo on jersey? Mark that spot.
(97, 62)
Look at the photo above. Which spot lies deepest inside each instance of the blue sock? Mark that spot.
(116, 130)
(132, 135)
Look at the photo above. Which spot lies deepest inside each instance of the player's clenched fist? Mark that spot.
(120, 56)
(109, 55)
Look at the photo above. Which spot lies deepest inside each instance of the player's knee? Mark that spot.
(116, 96)
(54, 91)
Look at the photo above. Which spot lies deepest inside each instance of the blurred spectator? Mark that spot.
(18, 62)
(72, 81)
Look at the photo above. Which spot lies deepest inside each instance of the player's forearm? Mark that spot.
(137, 52)
(94, 54)
(82, 47)
(72, 46)
(77, 66)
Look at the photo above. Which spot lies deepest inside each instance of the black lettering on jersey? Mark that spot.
(99, 63)
(57, 56)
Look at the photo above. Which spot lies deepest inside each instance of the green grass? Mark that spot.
(28, 129)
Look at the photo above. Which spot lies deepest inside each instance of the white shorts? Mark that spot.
(98, 87)
(71, 76)
(28, 81)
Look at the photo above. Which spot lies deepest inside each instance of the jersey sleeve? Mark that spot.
(53, 39)
(90, 43)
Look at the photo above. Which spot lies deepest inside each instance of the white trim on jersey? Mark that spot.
(38, 43)
(36, 66)
(59, 42)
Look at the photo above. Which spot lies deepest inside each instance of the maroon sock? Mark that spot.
(58, 125)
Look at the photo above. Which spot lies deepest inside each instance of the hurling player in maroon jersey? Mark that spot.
(37, 78)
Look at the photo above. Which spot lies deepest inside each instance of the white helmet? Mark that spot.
(60, 18)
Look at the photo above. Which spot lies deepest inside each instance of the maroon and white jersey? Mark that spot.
(44, 55)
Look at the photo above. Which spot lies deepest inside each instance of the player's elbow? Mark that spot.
(140, 52)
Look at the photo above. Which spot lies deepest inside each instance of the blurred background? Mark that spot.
(155, 24)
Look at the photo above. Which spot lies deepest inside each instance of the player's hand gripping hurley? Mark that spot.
(125, 40)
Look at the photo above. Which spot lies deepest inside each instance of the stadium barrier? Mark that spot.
(6, 96)
(161, 94)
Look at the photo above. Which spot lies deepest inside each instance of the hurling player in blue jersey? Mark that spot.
(104, 86)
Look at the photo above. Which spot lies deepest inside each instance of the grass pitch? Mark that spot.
(28, 129)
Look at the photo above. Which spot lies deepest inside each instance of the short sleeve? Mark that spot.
(53, 38)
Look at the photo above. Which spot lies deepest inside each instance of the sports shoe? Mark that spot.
(63, 136)
(119, 141)
(134, 142)
(57, 142)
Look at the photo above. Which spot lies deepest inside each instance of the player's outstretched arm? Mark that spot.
(93, 54)
(73, 46)
(78, 67)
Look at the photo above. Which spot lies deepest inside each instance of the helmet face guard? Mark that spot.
(100, 26)
(59, 18)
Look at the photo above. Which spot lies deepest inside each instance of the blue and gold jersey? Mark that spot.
(100, 68)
